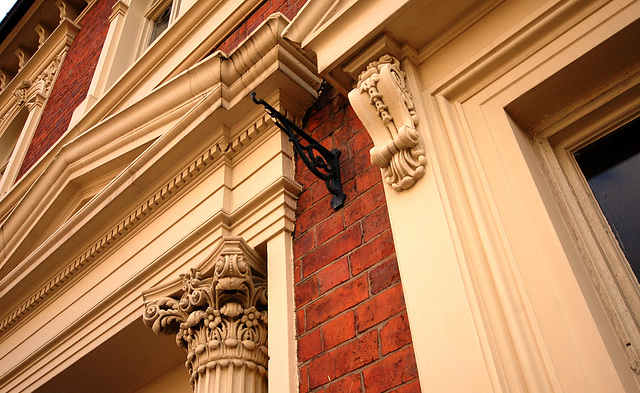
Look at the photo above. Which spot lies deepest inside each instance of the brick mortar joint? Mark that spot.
(363, 243)
(378, 327)
(359, 370)
(351, 278)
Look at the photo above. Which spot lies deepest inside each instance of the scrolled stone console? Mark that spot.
(385, 106)
(219, 315)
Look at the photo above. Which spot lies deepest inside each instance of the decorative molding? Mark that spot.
(247, 136)
(5, 77)
(206, 74)
(48, 75)
(156, 8)
(20, 92)
(384, 104)
(52, 50)
(41, 85)
(120, 8)
(219, 316)
(27, 89)
(143, 211)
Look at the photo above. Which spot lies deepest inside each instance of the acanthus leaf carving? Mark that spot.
(41, 85)
(48, 75)
(384, 104)
(20, 92)
(219, 315)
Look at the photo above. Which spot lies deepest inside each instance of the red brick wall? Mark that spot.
(352, 328)
(73, 82)
(288, 8)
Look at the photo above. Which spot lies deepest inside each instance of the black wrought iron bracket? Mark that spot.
(320, 161)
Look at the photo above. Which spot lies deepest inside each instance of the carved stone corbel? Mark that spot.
(48, 75)
(67, 11)
(219, 316)
(23, 56)
(43, 33)
(5, 78)
(384, 104)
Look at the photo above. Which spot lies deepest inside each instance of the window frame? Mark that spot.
(153, 12)
(615, 282)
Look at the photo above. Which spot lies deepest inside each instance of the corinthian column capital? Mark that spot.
(219, 315)
(385, 106)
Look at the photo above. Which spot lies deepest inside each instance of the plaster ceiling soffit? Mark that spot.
(510, 48)
(339, 32)
(333, 30)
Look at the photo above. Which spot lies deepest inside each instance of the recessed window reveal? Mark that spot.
(611, 166)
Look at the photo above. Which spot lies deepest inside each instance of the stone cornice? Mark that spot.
(216, 70)
(136, 217)
(212, 91)
(109, 239)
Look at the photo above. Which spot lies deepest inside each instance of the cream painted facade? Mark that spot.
(512, 278)
(507, 277)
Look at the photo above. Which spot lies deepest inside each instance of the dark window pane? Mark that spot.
(160, 24)
(612, 168)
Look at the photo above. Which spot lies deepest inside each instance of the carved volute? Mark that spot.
(219, 316)
(384, 104)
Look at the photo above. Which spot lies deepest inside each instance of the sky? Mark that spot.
(5, 6)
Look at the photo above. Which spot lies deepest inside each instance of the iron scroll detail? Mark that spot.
(322, 162)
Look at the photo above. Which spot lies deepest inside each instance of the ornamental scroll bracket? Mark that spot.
(384, 104)
(218, 313)
(322, 162)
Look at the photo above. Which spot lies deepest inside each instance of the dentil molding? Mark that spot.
(168, 191)
(385, 106)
